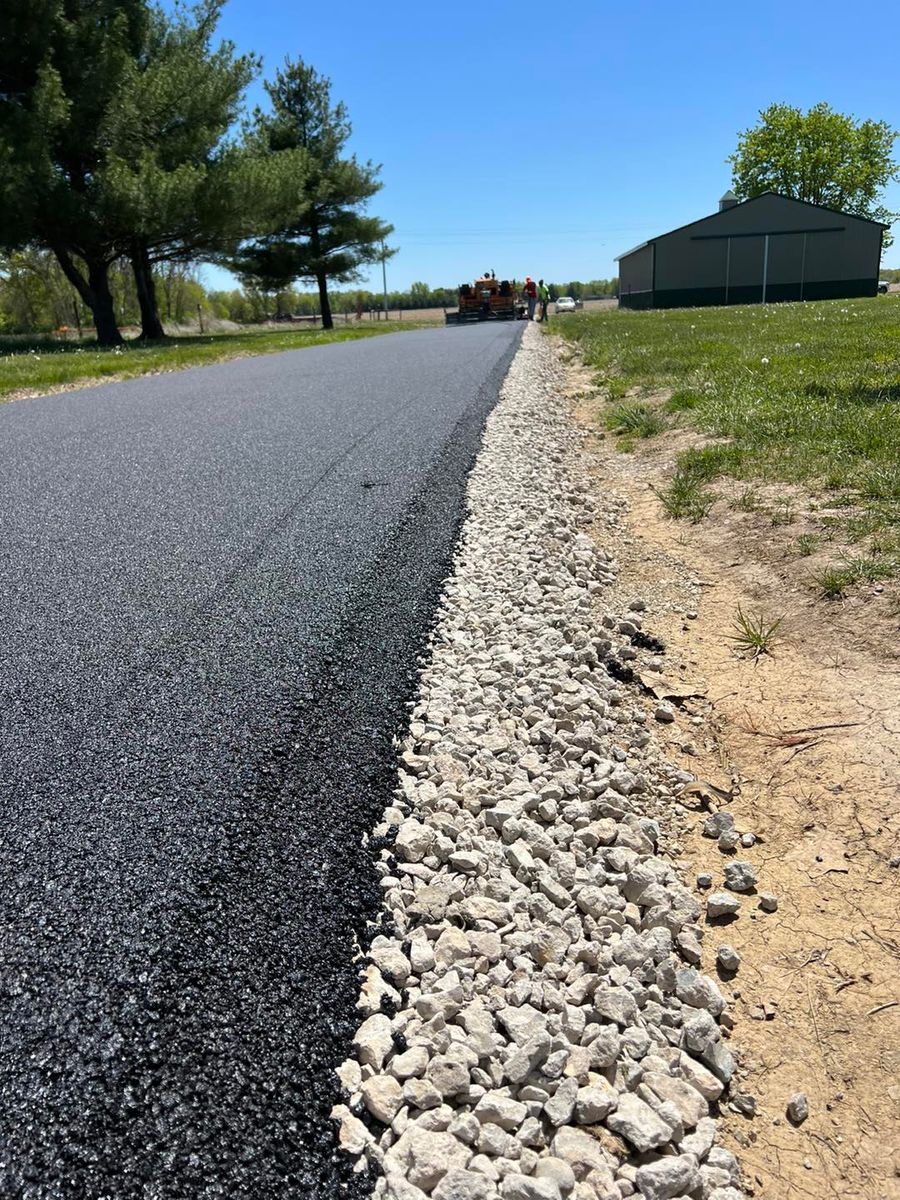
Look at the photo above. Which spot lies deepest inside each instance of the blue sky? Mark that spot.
(538, 140)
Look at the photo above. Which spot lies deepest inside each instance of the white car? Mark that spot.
(883, 286)
(565, 304)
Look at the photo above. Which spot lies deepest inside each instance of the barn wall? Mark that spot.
(636, 279)
(719, 260)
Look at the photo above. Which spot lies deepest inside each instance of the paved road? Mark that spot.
(213, 587)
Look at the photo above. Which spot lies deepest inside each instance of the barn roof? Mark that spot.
(743, 204)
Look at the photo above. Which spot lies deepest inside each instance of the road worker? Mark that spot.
(544, 295)
(531, 294)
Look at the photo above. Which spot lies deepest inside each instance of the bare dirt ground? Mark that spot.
(806, 741)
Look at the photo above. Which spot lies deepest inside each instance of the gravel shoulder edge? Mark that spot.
(532, 1021)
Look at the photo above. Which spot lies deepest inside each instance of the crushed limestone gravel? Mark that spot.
(533, 1022)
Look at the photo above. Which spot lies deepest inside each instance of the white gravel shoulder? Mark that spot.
(533, 1025)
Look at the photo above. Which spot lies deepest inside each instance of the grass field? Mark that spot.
(42, 364)
(799, 393)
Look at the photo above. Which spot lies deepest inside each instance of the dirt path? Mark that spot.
(808, 741)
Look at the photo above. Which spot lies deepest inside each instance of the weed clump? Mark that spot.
(755, 634)
(635, 420)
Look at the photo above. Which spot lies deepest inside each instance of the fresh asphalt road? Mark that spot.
(214, 585)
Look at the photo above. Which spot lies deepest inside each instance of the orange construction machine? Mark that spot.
(487, 299)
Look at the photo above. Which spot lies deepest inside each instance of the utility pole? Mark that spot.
(384, 276)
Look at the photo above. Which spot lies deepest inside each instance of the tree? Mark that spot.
(329, 236)
(114, 120)
(180, 187)
(821, 156)
(61, 65)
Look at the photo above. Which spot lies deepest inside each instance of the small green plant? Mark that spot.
(885, 542)
(682, 401)
(757, 635)
(685, 499)
(783, 514)
(870, 570)
(806, 544)
(636, 420)
(748, 501)
(705, 463)
(832, 582)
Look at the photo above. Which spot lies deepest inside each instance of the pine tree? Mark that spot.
(182, 188)
(114, 121)
(62, 64)
(329, 236)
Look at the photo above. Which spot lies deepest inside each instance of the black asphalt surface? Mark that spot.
(213, 589)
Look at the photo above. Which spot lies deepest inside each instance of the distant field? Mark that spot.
(805, 394)
(30, 366)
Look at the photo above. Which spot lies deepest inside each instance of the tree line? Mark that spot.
(125, 144)
(37, 297)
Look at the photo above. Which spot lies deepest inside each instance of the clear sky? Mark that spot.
(543, 140)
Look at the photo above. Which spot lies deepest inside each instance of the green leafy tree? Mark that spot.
(114, 141)
(329, 235)
(821, 156)
(182, 188)
(61, 68)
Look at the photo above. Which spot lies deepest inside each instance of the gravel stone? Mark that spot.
(728, 958)
(559, 1110)
(595, 1102)
(557, 1170)
(527, 1187)
(699, 991)
(579, 1149)
(637, 1122)
(501, 1110)
(740, 877)
(544, 1008)
(798, 1108)
(383, 1097)
(720, 904)
(676, 1176)
(718, 823)
(464, 1185)
(373, 1041)
(427, 1156)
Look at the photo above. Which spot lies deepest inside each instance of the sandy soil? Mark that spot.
(807, 742)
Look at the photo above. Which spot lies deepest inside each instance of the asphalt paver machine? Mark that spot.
(487, 299)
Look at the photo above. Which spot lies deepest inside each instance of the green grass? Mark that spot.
(635, 420)
(748, 501)
(686, 499)
(43, 363)
(806, 544)
(798, 393)
(754, 635)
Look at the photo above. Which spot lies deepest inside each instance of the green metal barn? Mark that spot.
(766, 249)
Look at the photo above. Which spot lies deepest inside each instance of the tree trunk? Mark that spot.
(151, 326)
(102, 307)
(324, 302)
(94, 292)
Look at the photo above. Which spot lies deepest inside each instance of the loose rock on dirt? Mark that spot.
(540, 1012)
